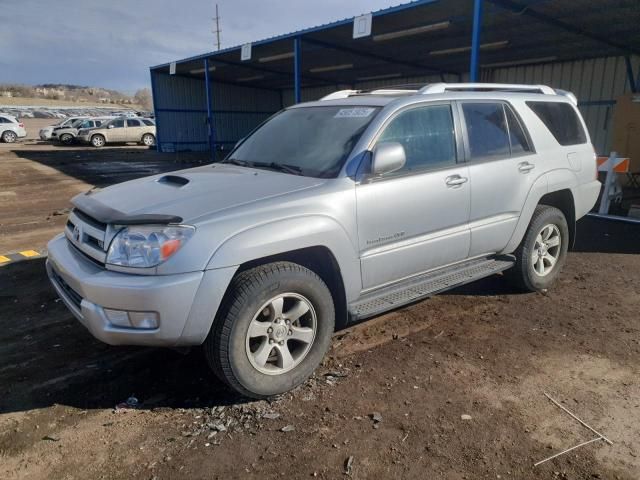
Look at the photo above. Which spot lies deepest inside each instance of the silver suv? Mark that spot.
(330, 212)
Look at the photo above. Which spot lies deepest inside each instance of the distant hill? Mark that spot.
(73, 94)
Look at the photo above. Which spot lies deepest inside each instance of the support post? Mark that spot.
(210, 128)
(154, 97)
(474, 66)
(297, 68)
(632, 80)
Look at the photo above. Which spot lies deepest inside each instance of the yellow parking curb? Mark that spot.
(8, 258)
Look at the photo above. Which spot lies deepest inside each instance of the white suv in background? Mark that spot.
(11, 129)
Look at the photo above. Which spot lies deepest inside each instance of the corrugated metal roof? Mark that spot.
(521, 31)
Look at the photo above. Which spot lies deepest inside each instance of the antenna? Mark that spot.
(216, 32)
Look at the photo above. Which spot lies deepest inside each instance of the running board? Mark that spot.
(426, 285)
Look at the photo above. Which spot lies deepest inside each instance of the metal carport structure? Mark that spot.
(591, 47)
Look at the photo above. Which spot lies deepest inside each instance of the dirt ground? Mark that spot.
(388, 402)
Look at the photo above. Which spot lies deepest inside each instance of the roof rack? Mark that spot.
(435, 88)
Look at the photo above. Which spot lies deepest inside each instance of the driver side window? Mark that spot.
(118, 124)
(427, 135)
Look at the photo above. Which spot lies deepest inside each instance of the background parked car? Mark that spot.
(45, 133)
(68, 134)
(121, 130)
(11, 129)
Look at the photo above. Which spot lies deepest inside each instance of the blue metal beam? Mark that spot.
(154, 98)
(632, 80)
(474, 66)
(297, 69)
(210, 128)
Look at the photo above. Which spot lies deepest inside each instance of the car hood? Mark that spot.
(195, 193)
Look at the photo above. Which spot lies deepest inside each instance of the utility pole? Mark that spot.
(216, 19)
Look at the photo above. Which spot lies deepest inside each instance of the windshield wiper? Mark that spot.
(279, 167)
(235, 161)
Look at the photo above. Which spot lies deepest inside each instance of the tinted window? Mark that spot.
(4, 120)
(518, 139)
(133, 123)
(148, 122)
(117, 123)
(427, 135)
(487, 130)
(561, 120)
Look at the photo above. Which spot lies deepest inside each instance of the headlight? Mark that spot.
(147, 246)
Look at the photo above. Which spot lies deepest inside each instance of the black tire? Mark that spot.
(66, 138)
(524, 274)
(98, 140)
(226, 348)
(148, 140)
(9, 136)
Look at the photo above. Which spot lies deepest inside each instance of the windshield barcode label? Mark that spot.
(354, 112)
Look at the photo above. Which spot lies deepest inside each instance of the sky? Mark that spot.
(112, 43)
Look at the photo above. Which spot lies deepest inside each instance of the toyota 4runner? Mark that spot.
(328, 213)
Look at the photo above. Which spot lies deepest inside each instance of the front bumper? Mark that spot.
(45, 135)
(185, 303)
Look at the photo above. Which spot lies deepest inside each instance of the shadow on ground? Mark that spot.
(106, 166)
(47, 357)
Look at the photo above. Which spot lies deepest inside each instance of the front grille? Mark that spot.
(71, 294)
(88, 235)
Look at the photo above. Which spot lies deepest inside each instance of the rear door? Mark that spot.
(415, 219)
(134, 130)
(502, 170)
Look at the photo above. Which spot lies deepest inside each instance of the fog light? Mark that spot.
(144, 319)
(122, 318)
(119, 318)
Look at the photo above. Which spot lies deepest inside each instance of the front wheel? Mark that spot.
(272, 331)
(98, 141)
(543, 250)
(66, 138)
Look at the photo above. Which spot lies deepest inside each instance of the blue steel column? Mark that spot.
(474, 67)
(297, 69)
(210, 129)
(154, 99)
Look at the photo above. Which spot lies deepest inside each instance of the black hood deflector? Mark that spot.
(99, 211)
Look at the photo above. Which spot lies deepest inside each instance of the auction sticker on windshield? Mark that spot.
(357, 112)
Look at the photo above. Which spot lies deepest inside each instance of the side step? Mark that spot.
(425, 285)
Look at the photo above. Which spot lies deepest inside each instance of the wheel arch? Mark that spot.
(320, 260)
(563, 200)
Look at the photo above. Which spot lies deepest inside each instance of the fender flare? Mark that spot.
(289, 234)
(553, 181)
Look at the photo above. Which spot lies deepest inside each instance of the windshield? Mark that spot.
(310, 141)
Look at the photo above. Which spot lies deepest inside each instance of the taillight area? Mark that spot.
(21, 125)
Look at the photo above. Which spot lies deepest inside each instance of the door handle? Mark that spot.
(455, 180)
(525, 167)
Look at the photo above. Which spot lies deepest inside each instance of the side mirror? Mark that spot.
(112, 126)
(387, 157)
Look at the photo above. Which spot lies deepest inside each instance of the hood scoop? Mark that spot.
(173, 181)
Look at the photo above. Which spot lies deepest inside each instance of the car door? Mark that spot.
(415, 219)
(133, 130)
(502, 166)
(116, 131)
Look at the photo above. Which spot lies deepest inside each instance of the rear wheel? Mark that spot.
(66, 138)
(543, 250)
(9, 136)
(148, 139)
(272, 331)
(98, 141)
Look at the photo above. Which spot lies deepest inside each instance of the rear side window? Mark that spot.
(487, 130)
(133, 123)
(148, 122)
(561, 120)
(517, 137)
